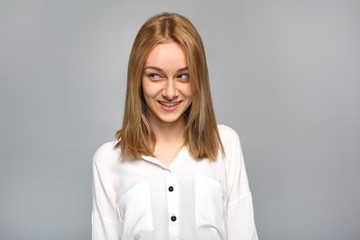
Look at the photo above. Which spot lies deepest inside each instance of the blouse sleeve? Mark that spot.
(240, 217)
(105, 220)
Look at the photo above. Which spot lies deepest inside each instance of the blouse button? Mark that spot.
(173, 218)
(171, 188)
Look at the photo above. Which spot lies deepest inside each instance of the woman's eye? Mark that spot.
(183, 76)
(153, 76)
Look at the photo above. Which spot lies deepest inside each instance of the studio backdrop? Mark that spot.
(284, 74)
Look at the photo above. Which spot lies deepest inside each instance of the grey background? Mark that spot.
(284, 74)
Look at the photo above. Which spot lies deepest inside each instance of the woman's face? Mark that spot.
(166, 84)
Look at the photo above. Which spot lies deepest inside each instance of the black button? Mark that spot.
(171, 188)
(173, 218)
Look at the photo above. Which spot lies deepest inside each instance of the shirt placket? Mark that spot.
(173, 205)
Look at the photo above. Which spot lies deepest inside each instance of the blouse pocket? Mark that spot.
(135, 212)
(209, 205)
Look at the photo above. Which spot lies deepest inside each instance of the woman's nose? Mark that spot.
(170, 91)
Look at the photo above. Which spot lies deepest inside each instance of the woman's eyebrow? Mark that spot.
(160, 70)
(154, 68)
(182, 69)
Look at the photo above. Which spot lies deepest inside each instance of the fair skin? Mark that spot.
(168, 94)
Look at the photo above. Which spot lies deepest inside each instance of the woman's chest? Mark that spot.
(190, 199)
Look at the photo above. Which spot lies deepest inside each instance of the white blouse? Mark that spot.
(190, 199)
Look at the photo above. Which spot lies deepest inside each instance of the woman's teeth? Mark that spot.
(169, 104)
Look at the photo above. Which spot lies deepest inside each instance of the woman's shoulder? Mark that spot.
(108, 154)
(227, 133)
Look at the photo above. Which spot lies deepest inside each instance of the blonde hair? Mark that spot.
(202, 136)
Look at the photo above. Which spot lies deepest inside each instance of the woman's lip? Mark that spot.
(170, 106)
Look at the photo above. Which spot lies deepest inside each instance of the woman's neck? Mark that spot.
(168, 133)
(170, 138)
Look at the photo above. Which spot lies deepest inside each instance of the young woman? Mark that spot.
(172, 172)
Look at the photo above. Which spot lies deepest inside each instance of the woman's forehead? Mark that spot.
(167, 55)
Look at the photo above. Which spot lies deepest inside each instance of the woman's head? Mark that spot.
(166, 28)
(166, 86)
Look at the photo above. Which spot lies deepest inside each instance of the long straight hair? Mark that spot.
(202, 135)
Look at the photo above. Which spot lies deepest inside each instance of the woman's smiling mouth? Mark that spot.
(169, 104)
